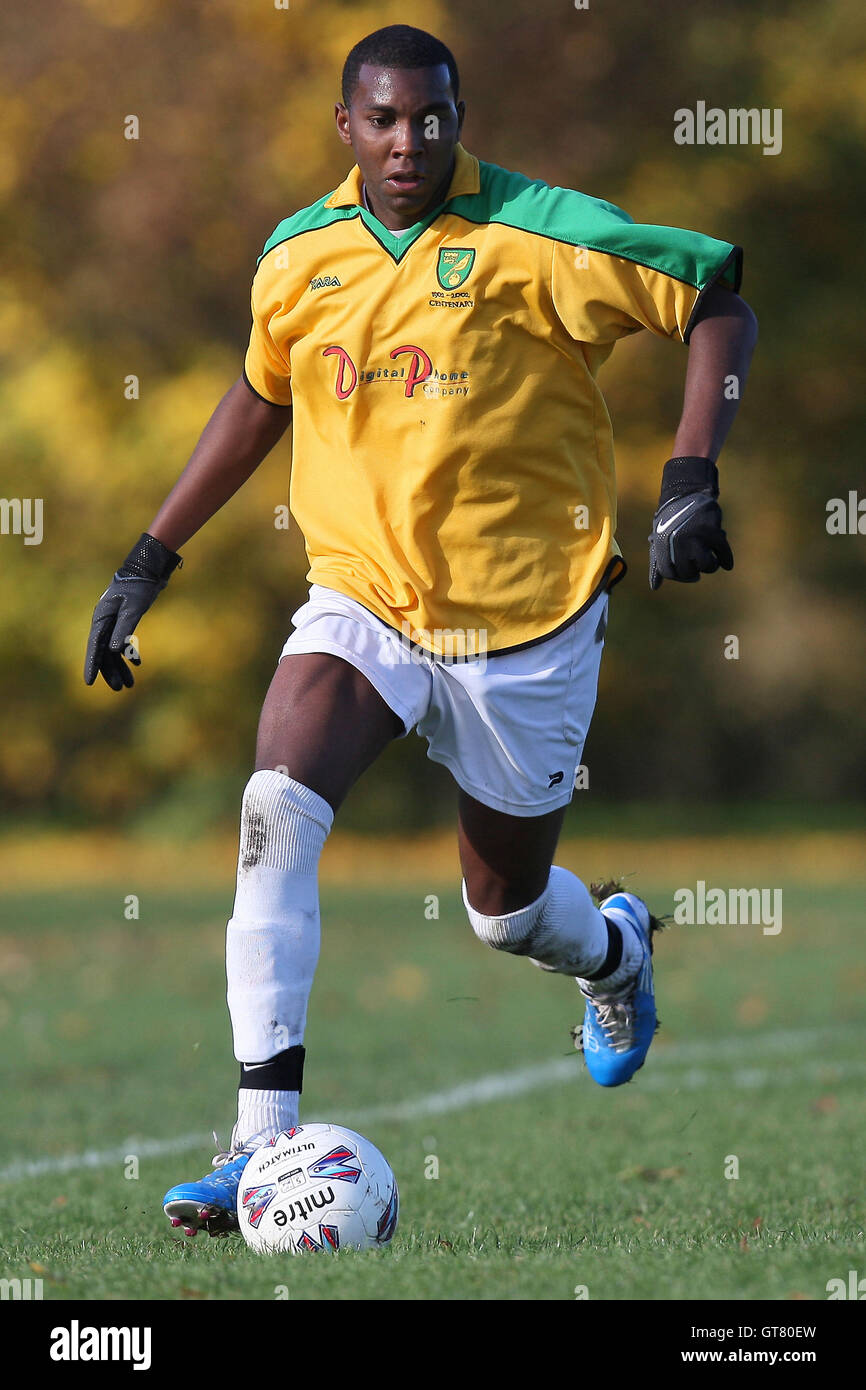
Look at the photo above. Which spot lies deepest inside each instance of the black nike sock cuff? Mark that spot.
(613, 959)
(285, 1072)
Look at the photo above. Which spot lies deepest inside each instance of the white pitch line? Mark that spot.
(101, 1158)
(660, 1076)
(752, 1078)
(664, 1073)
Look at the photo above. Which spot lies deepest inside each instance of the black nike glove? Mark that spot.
(143, 574)
(687, 539)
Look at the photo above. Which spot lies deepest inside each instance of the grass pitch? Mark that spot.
(519, 1178)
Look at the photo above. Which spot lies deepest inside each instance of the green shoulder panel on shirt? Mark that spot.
(564, 215)
(309, 219)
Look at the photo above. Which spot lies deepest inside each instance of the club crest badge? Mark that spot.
(455, 265)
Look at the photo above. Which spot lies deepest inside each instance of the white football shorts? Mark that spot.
(510, 727)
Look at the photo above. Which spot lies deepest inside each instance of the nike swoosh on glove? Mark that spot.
(687, 539)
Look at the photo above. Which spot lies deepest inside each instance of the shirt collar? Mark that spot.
(465, 179)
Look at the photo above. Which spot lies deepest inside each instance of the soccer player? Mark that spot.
(433, 328)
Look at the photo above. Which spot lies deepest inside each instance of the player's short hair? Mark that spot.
(398, 46)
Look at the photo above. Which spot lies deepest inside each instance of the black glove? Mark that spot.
(143, 574)
(687, 539)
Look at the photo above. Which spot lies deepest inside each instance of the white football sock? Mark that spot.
(562, 931)
(272, 938)
(262, 1114)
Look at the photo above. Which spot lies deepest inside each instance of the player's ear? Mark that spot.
(341, 115)
(461, 113)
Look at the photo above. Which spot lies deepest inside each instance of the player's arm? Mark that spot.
(239, 435)
(687, 538)
(720, 350)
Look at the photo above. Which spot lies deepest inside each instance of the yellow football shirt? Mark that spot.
(452, 462)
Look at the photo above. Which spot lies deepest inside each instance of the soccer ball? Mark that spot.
(317, 1187)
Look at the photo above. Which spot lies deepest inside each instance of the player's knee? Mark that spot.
(283, 823)
(494, 896)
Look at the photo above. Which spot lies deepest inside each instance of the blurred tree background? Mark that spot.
(134, 257)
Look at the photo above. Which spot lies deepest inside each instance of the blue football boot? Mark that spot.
(211, 1203)
(619, 1025)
